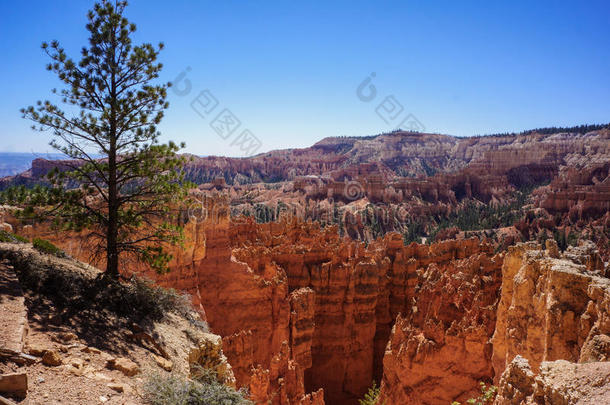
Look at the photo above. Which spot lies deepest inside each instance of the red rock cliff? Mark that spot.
(439, 350)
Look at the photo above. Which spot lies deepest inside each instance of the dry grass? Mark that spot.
(173, 389)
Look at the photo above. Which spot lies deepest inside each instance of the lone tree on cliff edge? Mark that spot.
(120, 181)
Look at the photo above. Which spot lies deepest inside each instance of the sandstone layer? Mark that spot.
(359, 292)
(552, 307)
(301, 309)
(559, 382)
(439, 351)
(552, 343)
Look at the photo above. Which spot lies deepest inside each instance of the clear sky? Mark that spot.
(289, 71)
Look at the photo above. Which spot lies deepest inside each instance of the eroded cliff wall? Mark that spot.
(307, 316)
(552, 343)
(552, 306)
(439, 350)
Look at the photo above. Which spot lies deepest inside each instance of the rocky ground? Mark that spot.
(92, 359)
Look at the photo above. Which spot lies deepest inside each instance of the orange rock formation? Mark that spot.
(301, 309)
(439, 350)
(552, 307)
(552, 343)
(307, 316)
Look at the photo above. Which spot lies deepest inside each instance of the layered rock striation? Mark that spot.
(517, 159)
(558, 382)
(307, 315)
(579, 192)
(552, 343)
(302, 310)
(552, 306)
(439, 350)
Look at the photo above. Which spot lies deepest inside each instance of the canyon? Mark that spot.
(308, 317)
(301, 261)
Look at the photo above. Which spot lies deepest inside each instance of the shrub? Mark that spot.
(136, 299)
(44, 246)
(21, 238)
(153, 300)
(9, 237)
(372, 396)
(173, 389)
(204, 375)
(488, 394)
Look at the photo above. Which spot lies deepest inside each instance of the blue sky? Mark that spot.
(289, 70)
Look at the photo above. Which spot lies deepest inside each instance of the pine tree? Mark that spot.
(372, 396)
(120, 181)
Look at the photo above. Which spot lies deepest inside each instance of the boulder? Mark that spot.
(51, 358)
(91, 350)
(65, 337)
(116, 387)
(36, 349)
(14, 383)
(162, 362)
(124, 365)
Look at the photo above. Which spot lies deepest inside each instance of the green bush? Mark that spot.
(151, 299)
(488, 394)
(372, 396)
(21, 238)
(81, 291)
(9, 237)
(173, 389)
(44, 246)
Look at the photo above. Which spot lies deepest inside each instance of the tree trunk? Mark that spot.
(112, 234)
(112, 253)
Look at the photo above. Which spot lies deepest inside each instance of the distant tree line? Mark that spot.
(579, 129)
